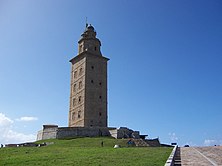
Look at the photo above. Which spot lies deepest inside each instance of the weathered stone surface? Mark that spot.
(53, 131)
(48, 132)
(66, 132)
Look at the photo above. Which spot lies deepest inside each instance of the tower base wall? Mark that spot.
(69, 132)
(55, 132)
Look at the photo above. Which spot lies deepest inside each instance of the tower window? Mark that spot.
(92, 67)
(100, 83)
(79, 114)
(73, 115)
(95, 48)
(91, 121)
(81, 48)
(75, 74)
(80, 84)
(74, 87)
(80, 98)
(100, 114)
(100, 97)
(73, 102)
(80, 71)
(92, 81)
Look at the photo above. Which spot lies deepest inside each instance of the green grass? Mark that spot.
(85, 152)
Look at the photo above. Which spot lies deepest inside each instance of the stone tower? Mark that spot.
(88, 92)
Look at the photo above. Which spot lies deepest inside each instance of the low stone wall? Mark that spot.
(53, 131)
(153, 142)
(68, 132)
(48, 132)
(170, 160)
(39, 135)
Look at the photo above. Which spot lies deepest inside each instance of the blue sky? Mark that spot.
(164, 73)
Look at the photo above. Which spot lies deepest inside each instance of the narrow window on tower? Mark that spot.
(73, 115)
(81, 48)
(91, 121)
(80, 98)
(80, 71)
(100, 83)
(74, 87)
(95, 48)
(100, 97)
(92, 81)
(92, 67)
(75, 74)
(73, 102)
(100, 114)
(79, 114)
(80, 84)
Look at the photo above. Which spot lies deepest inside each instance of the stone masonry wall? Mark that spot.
(71, 132)
(48, 132)
(68, 132)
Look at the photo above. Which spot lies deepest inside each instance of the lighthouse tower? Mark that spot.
(88, 92)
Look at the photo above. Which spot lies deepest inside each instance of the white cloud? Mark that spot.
(27, 118)
(8, 135)
(5, 121)
(173, 137)
(212, 142)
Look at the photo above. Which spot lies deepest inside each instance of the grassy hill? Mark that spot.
(85, 152)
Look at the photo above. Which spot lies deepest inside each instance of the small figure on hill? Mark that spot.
(102, 144)
(1, 145)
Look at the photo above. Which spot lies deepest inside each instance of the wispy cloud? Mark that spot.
(173, 137)
(27, 118)
(5, 121)
(8, 135)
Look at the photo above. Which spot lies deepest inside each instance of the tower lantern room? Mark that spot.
(89, 42)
